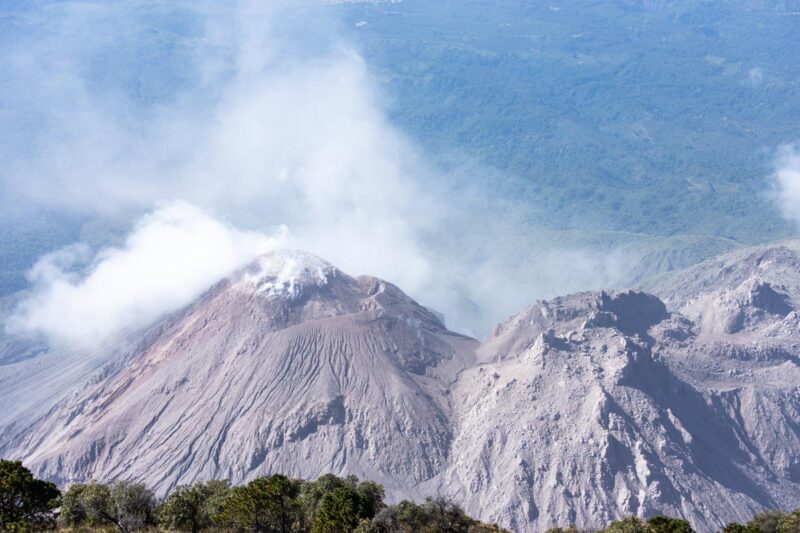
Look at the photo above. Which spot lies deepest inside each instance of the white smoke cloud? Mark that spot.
(169, 259)
(259, 114)
(259, 133)
(755, 76)
(786, 182)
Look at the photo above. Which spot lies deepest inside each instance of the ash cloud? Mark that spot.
(785, 190)
(217, 125)
(172, 255)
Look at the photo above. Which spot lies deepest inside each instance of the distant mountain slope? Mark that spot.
(576, 410)
(777, 264)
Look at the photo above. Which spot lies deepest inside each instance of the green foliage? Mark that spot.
(277, 504)
(339, 510)
(90, 505)
(480, 527)
(266, 504)
(135, 506)
(404, 517)
(26, 503)
(447, 516)
(73, 512)
(570, 529)
(629, 524)
(370, 498)
(665, 524)
(191, 507)
(435, 515)
(790, 523)
(767, 522)
(367, 499)
(584, 123)
(735, 527)
(125, 506)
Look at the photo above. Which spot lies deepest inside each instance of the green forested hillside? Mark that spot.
(647, 117)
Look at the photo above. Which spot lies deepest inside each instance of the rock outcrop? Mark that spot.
(600, 405)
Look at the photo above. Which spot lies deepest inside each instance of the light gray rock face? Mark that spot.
(577, 410)
(599, 405)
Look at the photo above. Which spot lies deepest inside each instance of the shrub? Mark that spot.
(26, 503)
(126, 506)
(192, 507)
(790, 523)
(767, 522)
(665, 524)
(266, 504)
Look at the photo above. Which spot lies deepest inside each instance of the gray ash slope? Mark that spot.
(288, 366)
(576, 410)
(599, 405)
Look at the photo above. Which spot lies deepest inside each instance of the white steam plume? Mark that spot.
(786, 182)
(256, 132)
(172, 255)
(256, 113)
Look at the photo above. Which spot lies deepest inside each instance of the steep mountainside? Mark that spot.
(288, 366)
(576, 410)
(600, 405)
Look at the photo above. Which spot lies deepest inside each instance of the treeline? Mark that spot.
(273, 504)
(766, 522)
